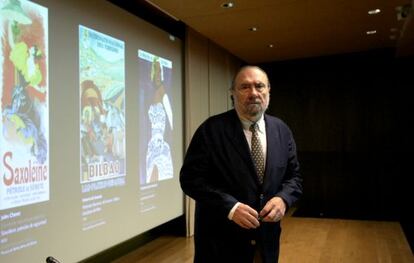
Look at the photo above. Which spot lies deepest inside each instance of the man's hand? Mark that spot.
(274, 210)
(246, 217)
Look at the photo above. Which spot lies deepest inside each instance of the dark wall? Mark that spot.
(151, 14)
(351, 121)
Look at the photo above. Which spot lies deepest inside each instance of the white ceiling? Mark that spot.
(296, 28)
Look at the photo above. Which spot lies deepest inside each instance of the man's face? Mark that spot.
(251, 93)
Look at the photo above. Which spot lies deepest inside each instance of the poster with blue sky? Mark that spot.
(102, 106)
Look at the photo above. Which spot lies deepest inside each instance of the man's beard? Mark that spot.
(254, 109)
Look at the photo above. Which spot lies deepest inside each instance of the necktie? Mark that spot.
(257, 152)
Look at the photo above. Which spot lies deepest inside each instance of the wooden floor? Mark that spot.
(304, 240)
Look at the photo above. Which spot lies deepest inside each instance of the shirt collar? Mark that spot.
(247, 123)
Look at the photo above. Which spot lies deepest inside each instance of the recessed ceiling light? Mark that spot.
(371, 32)
(271, 45)
(374, 11)
(227, 5)
(253, 29)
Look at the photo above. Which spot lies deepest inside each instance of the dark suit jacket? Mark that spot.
(218, 172)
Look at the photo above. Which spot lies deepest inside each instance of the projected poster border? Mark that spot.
(102, 123)
(24, 126)
(156, 127)
(102, 112)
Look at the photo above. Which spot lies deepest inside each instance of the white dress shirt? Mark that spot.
(262, 137)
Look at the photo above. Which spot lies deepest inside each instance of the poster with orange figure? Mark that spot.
(24, 125)
(102, 112)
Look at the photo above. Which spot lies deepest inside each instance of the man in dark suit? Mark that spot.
(242, 178)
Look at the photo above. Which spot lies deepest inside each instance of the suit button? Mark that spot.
(261, 196)
(253, 242)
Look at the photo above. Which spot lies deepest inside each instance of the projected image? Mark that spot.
(102, 101)
(24, 127)
(157, 124)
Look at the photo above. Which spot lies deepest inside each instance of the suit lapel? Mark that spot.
(238, 139)
(272, 137)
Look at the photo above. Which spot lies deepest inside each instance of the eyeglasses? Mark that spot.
(245, 87)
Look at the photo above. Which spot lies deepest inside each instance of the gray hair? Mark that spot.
(233, 81)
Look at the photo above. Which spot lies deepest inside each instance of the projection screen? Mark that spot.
(91, 130)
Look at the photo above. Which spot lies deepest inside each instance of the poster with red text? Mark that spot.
(24, 125)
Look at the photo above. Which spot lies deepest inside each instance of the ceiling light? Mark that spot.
(253, 29)
(371, 32)
(271, 45)
(393, 29)
(227, 5)
(374, 11)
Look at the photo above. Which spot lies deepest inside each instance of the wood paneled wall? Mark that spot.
(208, 73)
